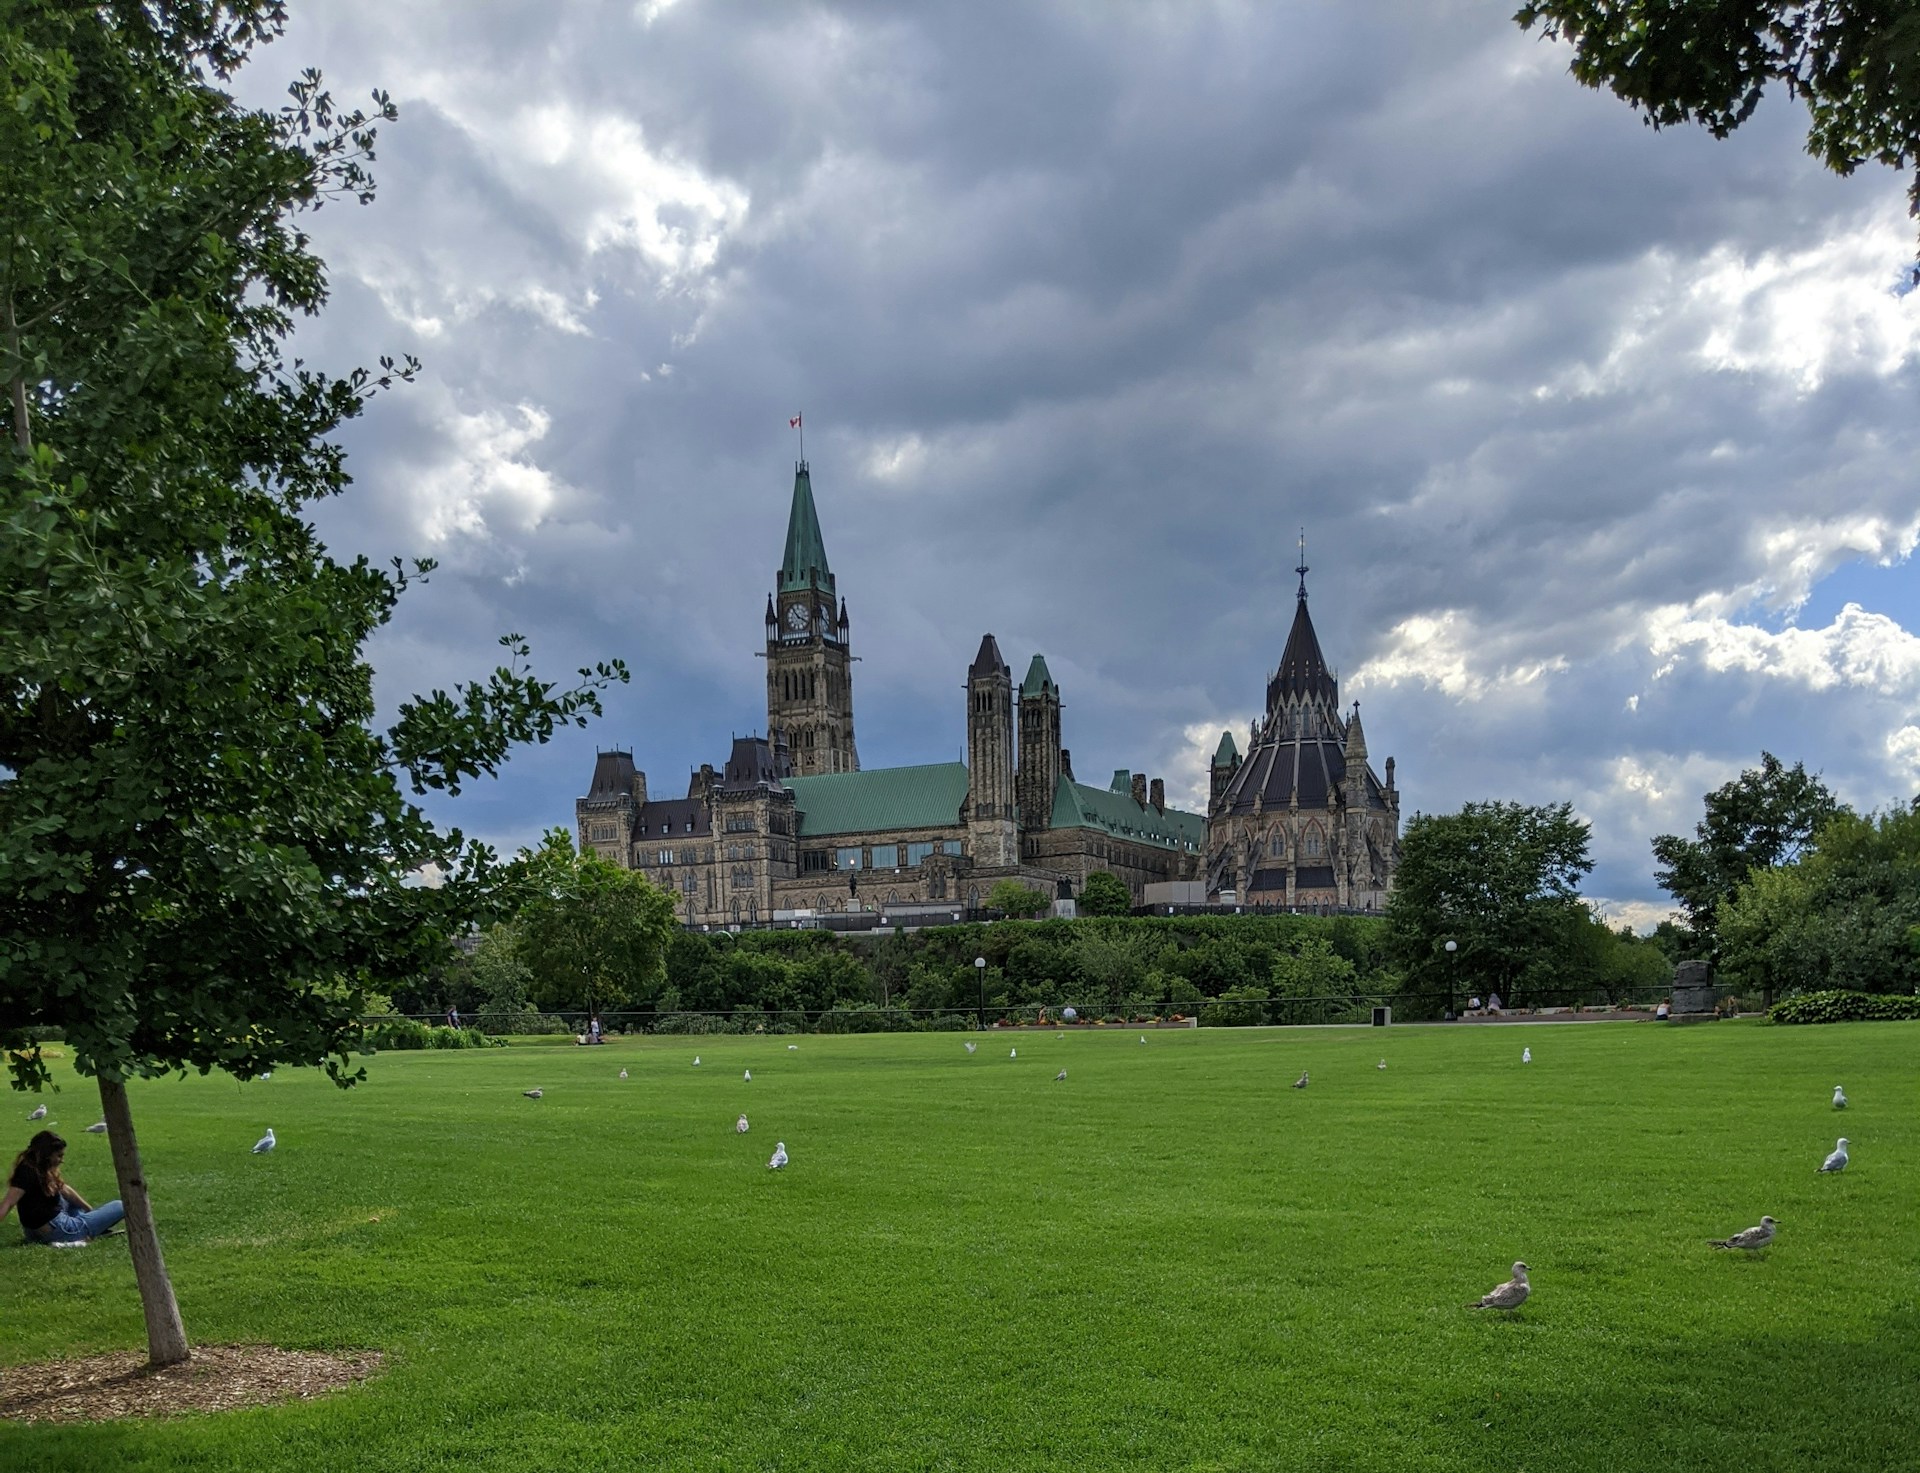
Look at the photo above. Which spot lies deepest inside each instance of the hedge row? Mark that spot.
(1845, 1007)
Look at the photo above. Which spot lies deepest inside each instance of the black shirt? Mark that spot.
(38, 1206)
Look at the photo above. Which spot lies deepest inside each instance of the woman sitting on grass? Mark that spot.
(50, 1210)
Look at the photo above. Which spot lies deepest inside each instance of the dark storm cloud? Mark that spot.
(1090, 309)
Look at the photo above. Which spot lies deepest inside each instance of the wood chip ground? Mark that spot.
(217, 1378)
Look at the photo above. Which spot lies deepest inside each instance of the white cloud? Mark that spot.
(486, 485)
(1446, 652)
(1903, 747)
(1858, 649)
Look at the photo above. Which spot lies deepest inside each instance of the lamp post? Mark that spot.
(1453, 951)
(980, 976)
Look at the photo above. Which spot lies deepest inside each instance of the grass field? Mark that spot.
(1170, 1261)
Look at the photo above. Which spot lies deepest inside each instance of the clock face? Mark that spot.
(797, 618)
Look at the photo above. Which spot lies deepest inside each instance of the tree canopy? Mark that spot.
(1015, 899)
(1856, 65)
(207, 842)
(591, 934)
(1763, 818)
(1105, 894)
(1500, 881)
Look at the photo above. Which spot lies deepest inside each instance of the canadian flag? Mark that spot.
(794, 423)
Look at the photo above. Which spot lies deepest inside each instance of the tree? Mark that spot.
(1010, 897)
(1842, 915)
(1105, 894)
(206, 842)
(592, 933)
(1856, 65)
(1498, 879)
(1314, 969)
(1763, 818)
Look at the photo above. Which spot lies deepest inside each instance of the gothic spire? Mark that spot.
(805, 563)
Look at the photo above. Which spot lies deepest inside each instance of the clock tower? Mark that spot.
(809, 667)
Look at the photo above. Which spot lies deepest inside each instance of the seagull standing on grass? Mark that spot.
(100, 1129)
(1060, 1077)
(793, 1048)
(696, 1061)
(533, 1094)
(1839, 1098)
(1510, 1295)
(623, 1073)
(779, 1156)
(1837, 1161)
(972, 1046)
(1301, 1082)
(1526, 1056)
(1013, 1053)
(748, 1076)
(265, 1144)
(1381, 1065)
(39, 1114)
(1143, 1038)
(740, 1126)
(1748, 1238)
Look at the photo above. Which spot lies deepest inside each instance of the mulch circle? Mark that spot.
(218, 1378)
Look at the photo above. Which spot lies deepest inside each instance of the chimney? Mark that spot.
(1066, 764)
(1140, 788)
(1159, 795)
(640, 787)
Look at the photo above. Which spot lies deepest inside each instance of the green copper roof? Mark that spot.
(880, 798)
(1038, 678)
(1077, 806)
(805, 563)
(1227, 753)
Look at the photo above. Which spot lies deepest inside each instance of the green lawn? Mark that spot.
(1170, 1261)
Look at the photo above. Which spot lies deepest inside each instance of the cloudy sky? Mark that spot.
(1604, 440)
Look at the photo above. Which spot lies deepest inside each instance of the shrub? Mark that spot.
(522, 1022)
(1844, 1007)
(865, 1017)
(404, 1033)
(1238, 1007)
(694, 1023)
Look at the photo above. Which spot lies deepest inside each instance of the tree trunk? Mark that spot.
(166, 1335)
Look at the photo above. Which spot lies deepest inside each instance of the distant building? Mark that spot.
(1301, 820)
(791, 824)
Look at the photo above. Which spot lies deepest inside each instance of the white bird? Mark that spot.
(39, 1114)
(748, 1075)
(1143, 1038)
(779, 1156)
(100, 1129)
(1839, 1098)
(1837, 1161)
(1012, 1053)
(972, 1046)
(1060, 1076)
(267, 1075)
(1526, 1056)
(793, 1048)
(1301, 1082)
(623, 1073)
(265, 1143)
(533, 1094)
(1381, 1065)
(1059, 1035)
(740, 1126)
(1510, 1295)
(696, 1061)
(1748, 1238)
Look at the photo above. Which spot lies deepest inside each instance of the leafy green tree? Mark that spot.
(1313, 969)
(1841, 916)
(502, 979)
(1015, 899)
(1499, 880)
(1764, 817)
(205, 839)
(1856, 65)
(1105, 894)
(595, 935)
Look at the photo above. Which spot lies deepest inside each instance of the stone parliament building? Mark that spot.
(791, 828)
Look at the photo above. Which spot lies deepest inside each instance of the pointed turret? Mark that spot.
(993, 839)
(805, 562)
(1041, 760)
(1356, 740)
(1226, 762)
(988, 661)
(1226, 754)
(1039, 679)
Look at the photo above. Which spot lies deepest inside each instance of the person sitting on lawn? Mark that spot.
(1493, 1002)
(1663, 1010)
(50, 1210)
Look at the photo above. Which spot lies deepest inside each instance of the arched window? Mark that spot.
(1313, 843)
(1277, 845)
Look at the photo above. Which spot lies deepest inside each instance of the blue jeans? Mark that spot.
(77, 1227)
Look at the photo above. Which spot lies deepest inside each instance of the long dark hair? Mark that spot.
(38, 1159)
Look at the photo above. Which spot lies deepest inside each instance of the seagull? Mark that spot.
(1301, 1082)
(100, 1129)
(1748, 1238)
(533, 1094)
(39, 1114)
(740, 1126)
(1510, 1295)
(748, 1075)
(779, 1156)
(1012, 1053)
(1526, 1056)
(1839, 1098)
(972, 1046)
(1381, 1065)
(1837, 1161)
(267, 1075)
(1060, 1077)
(696, 1061)
(793, 1048)
(623, 1073)
(1143, 1038)
(265, 1143)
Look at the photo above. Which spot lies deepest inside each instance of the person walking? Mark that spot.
(50, 1210)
